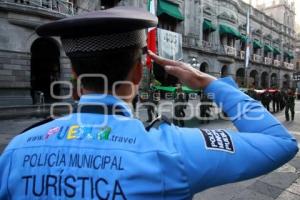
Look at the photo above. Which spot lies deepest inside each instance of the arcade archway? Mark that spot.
(253, 80)
(286, 81)
(264, 80)
(45, 68)
(274, 80)
(204, 67)
(240, 77)
(224, 71)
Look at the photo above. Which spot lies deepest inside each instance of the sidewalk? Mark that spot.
(281, 184)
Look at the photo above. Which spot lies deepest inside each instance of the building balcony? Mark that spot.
(61, 7)
(288, 65)
(277, 63)
(207, 45)
(231, 51)
(242, 54)
(267, 61)
(195, 42)
(191, 41)
(257, 58)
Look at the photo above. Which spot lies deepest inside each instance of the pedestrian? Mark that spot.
(205, 106)
(282, 97)
(179, 106)
(102, 152)
(266, 99)
(152, 103)
(135, 101)
(290, 105)
(275, 101)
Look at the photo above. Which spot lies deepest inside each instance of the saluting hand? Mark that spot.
(187, 75)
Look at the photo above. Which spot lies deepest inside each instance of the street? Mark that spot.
(282, 184)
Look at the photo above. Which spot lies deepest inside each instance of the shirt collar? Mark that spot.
(107, 100)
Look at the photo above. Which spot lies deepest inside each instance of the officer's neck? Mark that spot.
(122, 91)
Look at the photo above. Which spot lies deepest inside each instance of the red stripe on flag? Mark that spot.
(151, 45)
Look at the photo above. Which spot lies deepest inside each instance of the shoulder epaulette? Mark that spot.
(49, 119)
(158, 121)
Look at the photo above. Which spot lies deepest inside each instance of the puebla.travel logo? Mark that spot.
(76, 132)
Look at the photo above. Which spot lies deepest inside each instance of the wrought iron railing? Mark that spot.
(229, 50)
(268, 61)
(206, 44)
(257, 58)
(62, 7)
(288, 65)
(242, 54)
(277, 63)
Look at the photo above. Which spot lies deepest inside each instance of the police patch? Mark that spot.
(217, 140)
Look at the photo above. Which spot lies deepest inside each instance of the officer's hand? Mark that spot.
(189, 76)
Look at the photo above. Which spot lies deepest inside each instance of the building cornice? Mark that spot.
(34, 11)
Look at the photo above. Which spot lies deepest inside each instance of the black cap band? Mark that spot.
(105, 42)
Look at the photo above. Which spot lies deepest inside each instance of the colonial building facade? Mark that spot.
(213, 33)
(297, 50)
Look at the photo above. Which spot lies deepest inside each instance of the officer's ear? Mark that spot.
(74, 74)
(136, 75)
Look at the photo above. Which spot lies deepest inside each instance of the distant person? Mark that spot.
(290, 105)
(276, 101)
(135, 101)
(151, 103)
(179, 106)
(282, 99)
(266, 100)
(205, 106)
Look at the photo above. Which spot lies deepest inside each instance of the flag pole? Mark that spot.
(248, 42)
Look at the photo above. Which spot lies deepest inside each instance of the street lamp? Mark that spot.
(195, 63)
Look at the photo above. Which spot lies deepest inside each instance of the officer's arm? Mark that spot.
(216, 157)
(5, 163)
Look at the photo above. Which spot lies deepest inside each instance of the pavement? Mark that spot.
(281, 184)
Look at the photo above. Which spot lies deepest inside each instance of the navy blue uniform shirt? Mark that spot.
(95, 156)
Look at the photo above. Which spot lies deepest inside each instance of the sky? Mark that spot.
(297, 6)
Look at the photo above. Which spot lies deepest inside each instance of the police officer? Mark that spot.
(179, 106)
(266, 99)
(282, 100)
(277, 94)
(205, 106)
(102, 152)
(151, 104)
(290, 105)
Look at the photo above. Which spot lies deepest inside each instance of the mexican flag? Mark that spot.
(151, 34)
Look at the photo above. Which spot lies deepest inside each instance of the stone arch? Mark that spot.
(254, 79)
(204, 67)
(264, 80)
(224, 71)
(240, 76)
(274, 80)
(33, 37)
(286, 82)
(45, 67)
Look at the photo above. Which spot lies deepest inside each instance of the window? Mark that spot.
(167, 23)
(206, 36)
(227, 40)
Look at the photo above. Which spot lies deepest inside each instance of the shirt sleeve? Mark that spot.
(216, 157)
(5, 163)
